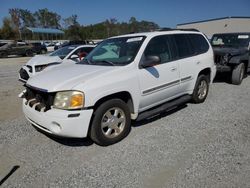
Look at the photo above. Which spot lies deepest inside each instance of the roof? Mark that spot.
(222, 18)
(155, 33)
(45, 30)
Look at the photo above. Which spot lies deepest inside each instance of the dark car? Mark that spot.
(16, 48)
(232, 54)
(39, 48)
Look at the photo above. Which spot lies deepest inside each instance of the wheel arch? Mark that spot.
(123, 95)
(206, 72)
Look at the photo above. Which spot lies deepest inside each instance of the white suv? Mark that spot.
(125, 77)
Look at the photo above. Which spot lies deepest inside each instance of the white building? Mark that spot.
(219, 25)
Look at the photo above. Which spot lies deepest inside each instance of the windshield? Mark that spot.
(115, 52)
(231, 40)
(62, 52)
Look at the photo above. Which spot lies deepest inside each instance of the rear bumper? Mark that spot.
(57, 122)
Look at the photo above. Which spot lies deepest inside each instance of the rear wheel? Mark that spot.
(238, 74)
(43, 51)
(29, 53)
(201, 89)
(111, 122)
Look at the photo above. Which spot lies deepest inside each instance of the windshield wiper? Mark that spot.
(85, 60)
(107, 62)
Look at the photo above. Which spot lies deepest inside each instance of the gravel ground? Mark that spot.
(205, 145)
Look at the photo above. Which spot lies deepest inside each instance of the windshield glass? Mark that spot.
(62, 52)
(115, 52)
(231, 40)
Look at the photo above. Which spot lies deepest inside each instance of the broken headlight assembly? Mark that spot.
(69, 100)
(39, 68)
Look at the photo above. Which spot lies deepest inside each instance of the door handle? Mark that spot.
(173, 68)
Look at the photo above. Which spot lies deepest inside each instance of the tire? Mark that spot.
(43, 51)
(29, 53)
(108, 128)
(3, 54)
(238, 74)
(201, 89)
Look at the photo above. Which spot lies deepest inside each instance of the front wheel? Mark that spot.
(201, 89)
(238, 74)
(111, 122)
(3, 54)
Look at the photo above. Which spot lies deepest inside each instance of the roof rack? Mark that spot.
(171, 29)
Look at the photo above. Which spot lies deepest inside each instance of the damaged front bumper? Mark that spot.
(58, 122)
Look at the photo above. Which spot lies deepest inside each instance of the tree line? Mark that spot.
(20, 18)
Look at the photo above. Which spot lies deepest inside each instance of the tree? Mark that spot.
(72, 20)
(27, 18)
(8, 31)
(46, 18)
(15, 18)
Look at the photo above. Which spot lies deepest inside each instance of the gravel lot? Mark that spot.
(205, 145)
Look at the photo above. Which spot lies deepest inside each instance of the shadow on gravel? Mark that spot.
(9, 174)
(73, 142)
(157, 116)
(224, 77)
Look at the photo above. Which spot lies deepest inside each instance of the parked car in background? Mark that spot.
(232, 54)
(73, 42)
(16, 48)
(50, 47)
(39, 48)
(68, 54)
(126, 77)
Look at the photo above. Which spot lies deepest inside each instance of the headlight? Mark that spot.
(69, 100)
(39, 68)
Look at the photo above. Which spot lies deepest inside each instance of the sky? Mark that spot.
(166, 13)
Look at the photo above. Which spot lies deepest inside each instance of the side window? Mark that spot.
(199, 43)
(88, 49)
(183, 46)
(158, 46)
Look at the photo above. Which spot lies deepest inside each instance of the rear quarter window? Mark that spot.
(199, 43)
(183, 45)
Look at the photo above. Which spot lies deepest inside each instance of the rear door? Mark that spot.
(160, 82)
(187, 61)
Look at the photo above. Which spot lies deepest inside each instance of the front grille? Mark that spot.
(23, 74)
(39, 100)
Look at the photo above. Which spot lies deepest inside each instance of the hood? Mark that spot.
(230, 51)
(66, 77)
(43, 59)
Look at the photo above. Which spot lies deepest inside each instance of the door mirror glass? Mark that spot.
(151, 61)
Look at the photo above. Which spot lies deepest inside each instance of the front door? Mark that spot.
(160, 82)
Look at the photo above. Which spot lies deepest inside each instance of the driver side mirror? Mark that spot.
(151, 61)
